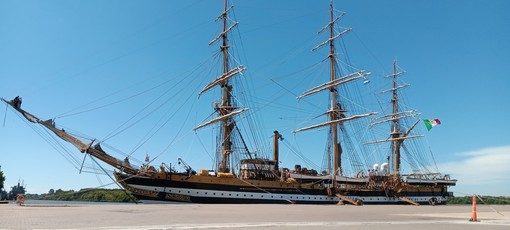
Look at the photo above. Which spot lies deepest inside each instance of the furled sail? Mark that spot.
(220, 118)
(335, 122)
(223, 78)
(335, 82)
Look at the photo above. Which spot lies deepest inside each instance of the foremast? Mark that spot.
(95, 151)
(226, 109)
(397, 136)
(336, 113)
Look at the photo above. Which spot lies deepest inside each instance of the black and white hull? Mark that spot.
(151, 190)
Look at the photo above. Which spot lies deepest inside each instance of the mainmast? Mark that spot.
(395, 133)
(226, 109)
(336, 114)
(334, 109)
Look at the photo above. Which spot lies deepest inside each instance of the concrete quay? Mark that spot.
(255, 216)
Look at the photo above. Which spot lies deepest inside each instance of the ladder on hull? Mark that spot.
(356, 202)
(408, 201)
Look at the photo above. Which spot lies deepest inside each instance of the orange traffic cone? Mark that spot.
(473, 212)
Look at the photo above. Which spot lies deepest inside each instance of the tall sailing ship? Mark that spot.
(262, 180)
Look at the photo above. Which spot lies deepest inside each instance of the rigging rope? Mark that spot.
(203, 146)
(140, 144)
(298, 153)
(175, 137)
(117, 183)
(69, 113)
(118, 130)
(69, 157)
(5, 114)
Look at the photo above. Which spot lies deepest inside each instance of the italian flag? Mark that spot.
(430, 123)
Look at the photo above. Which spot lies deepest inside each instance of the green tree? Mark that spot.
(96, 195)
(3, 194)
(51, 191)
(2, 179)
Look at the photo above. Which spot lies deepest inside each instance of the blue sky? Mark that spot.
(67, 57)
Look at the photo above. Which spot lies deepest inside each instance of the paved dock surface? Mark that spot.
(263, 216)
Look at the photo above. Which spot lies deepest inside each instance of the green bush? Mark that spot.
(483, 200)
(95, 195)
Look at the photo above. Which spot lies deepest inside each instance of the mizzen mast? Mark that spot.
(336, 114)
(226, 109)
(397, 136)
